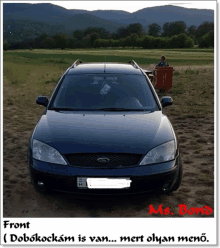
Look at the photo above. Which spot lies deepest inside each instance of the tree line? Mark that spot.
(171, 35)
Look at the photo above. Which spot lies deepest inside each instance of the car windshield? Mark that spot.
(104, 92)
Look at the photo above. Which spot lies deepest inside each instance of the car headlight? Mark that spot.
(46, 153)
(162, 153)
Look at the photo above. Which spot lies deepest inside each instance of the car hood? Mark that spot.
(87, 132)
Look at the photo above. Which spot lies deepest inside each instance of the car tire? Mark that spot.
(177, 184)
(180, 176)
(44, 190)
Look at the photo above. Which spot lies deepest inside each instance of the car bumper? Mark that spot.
(143, 178)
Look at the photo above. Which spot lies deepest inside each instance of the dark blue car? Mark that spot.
(103, 131)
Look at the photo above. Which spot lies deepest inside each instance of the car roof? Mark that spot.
(112, 68)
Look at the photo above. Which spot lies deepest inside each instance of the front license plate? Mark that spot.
(103, 183)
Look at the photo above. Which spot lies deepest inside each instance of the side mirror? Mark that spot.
(166, 101)
(42, 100)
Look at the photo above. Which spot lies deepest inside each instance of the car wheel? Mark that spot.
(178, 181)
(44, 190)
(180, 176)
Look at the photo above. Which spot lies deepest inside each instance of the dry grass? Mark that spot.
(192, 116)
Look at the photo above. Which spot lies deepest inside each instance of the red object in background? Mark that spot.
(163, 78)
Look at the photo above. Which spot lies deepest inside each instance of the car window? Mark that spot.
(105, 91)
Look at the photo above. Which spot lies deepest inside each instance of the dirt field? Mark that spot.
(196, 139)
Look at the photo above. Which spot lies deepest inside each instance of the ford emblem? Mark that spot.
(103, 160)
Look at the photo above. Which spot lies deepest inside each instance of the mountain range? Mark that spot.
(35, 19)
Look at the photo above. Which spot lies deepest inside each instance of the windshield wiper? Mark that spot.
(70, 109)
(63, 109)
(98, 109)
(119, 109)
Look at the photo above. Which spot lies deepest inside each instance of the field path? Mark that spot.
(181, 67)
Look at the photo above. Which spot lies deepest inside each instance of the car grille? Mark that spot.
(115, 159)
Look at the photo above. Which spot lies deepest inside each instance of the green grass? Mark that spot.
(22, 84)
(199, 50)
(27, 74)
(193, 93)
(141, 56)
(191, 72)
